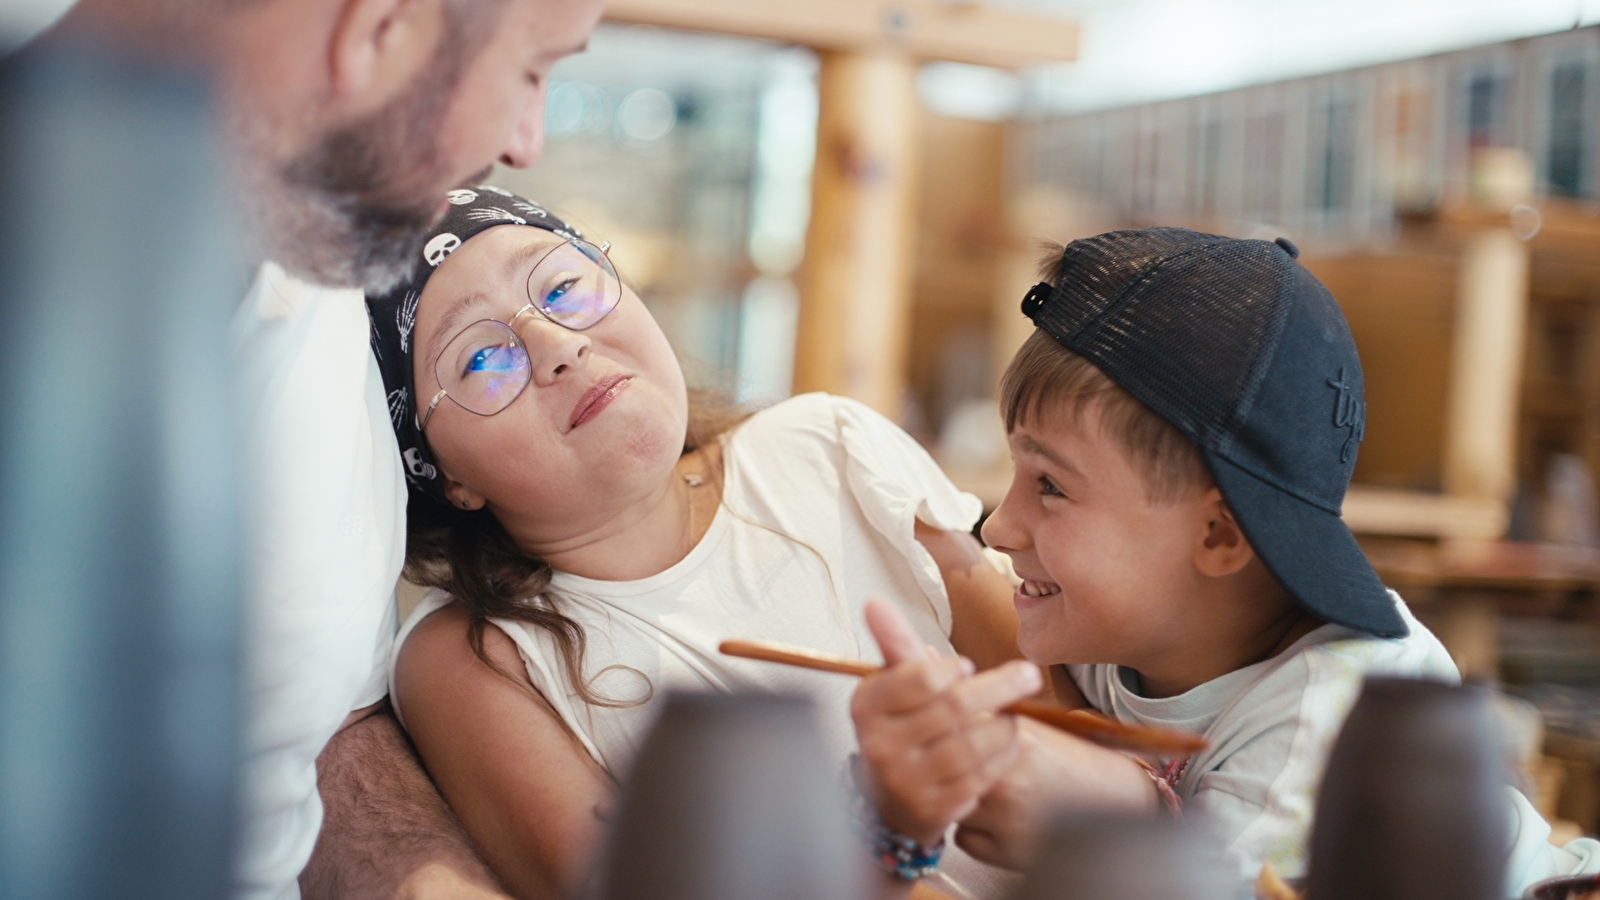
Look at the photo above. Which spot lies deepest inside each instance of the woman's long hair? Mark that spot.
(469, 555)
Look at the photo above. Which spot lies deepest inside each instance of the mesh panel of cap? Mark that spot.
(1164, 315)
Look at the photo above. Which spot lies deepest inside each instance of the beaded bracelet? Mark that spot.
(897, 853)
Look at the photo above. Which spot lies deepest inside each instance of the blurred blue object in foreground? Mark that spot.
(119, 567)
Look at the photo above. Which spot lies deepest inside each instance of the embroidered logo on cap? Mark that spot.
(1349, 411)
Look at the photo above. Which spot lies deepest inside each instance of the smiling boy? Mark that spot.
(1184, 424)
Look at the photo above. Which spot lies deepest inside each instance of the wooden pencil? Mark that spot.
(1081, 722)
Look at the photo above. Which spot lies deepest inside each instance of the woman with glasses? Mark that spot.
(594, 529)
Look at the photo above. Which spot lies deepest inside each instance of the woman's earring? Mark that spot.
(465, 505)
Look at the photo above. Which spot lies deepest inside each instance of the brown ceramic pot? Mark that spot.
(1113, 857)
(732, 798)
(1413, 804)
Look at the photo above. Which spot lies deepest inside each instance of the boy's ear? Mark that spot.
(1223, 549)
(379, 46)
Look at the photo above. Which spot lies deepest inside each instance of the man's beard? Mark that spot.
(353, 210)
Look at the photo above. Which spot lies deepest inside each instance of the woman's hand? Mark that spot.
(1054, 772)
(931, 741)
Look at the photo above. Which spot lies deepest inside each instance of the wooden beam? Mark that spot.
(949, 30)
(855, 288)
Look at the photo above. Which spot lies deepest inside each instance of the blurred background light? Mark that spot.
(970, 92)
(693, 155)
(1136, 51)
(645, 116)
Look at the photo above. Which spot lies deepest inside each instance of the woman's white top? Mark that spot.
(820, 499)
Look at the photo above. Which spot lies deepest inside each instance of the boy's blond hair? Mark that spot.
(1045, 378)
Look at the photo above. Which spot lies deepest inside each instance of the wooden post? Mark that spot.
(1486, 368)
(855, 286)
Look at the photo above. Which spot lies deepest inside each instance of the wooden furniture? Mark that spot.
(1480, 337)
(1460, 588)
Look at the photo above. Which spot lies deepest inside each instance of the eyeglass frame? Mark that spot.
(511, 326)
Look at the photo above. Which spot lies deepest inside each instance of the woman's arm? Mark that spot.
(524, 790)
(983, 623)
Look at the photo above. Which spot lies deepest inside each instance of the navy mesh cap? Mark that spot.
(1247, 354)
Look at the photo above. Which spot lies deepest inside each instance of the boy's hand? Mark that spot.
(1054, 772)
(930, 738)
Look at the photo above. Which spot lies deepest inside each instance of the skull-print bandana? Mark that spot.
(393, 315)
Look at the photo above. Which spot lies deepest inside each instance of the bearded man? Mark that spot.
(347, 122)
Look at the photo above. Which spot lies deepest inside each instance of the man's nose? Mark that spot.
(527, 135)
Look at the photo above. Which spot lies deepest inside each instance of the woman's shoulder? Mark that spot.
(792, 427)
(814, 410)
(824, 419)
(438, 638)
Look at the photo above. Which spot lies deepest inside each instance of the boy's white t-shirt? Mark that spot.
(326, 538)
(820, 499)
(1271, 726)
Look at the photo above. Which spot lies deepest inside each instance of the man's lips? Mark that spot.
(597, 398)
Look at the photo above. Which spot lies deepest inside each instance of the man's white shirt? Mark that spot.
(326, 529)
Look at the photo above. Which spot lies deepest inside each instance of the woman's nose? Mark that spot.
(553, 351)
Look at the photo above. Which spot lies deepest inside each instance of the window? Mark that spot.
(1486, 113)
(1263, 175)
(1208, 178)
(1564, 159)
(1338, 155)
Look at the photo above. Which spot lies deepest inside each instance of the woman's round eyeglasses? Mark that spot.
(485, 366)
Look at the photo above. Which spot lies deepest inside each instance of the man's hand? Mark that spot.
(1054, 772)
(930, 738)
(386, 832)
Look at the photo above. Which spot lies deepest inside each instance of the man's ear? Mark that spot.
(379, 46)
(1223, 549)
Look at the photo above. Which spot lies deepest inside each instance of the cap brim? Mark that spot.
(1310, 551)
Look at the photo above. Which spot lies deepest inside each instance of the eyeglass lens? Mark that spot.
(574, 285)
(485, 367)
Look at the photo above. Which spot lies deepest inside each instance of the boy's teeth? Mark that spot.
(1039, 588)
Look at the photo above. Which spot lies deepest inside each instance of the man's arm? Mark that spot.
(386, 832)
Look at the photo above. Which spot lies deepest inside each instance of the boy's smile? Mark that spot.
(1111, 575)
(1103, 568)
